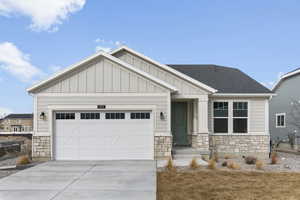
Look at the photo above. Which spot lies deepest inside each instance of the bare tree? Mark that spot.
(294, 121)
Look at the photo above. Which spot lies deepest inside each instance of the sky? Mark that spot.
(38, 38)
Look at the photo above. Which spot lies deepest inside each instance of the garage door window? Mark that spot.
(89, 115)
(114, 115)
(65, 116)
(140, 115)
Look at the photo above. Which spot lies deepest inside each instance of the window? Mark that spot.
(65, 116)
(240, 117)
(280, 120)
(220, 117)
(90, 115)
(114, 115)
(140, 115)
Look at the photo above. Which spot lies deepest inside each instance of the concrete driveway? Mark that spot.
(88, 180)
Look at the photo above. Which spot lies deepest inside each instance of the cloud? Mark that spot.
(45, 15)
(271, 84)
(102, 48)
(15, 62)
(107, 46)
(4, 112)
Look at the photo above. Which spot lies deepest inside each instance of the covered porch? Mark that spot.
(189, 122)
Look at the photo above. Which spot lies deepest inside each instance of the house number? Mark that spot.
(101, 106)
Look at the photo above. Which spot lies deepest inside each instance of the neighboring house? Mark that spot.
(285, 107)
(17, 123)
(124, 105)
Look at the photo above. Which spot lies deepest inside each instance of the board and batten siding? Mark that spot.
(102, 76)
(160, 101)
(182, 85)
(257, 112)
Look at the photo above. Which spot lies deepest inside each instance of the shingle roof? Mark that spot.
(19, 116)
(224, 79)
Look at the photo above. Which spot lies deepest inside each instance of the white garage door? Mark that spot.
(116, 135)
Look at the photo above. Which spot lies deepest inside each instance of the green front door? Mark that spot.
(179, 123)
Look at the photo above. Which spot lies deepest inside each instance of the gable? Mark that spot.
(101, 75)
(183, 86)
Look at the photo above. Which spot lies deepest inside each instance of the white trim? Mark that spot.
(157, 134)
(42, 134)
(285, 76)
(35, 120)
(267, 128)
(243, 94)
(100, 94)
(16, 133)
(284, 121)
(112, 58)
(166, 68)
(240, 134)
(192, 96)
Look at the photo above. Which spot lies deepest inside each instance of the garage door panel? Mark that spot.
(104, 139)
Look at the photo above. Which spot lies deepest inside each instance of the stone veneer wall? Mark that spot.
(241, 145)
(162, 147)
(201, 142)
(41, 147)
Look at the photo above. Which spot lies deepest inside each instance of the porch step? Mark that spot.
(188, 153)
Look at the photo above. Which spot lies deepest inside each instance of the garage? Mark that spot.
(109, 135)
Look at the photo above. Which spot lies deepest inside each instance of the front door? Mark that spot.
(179, 123)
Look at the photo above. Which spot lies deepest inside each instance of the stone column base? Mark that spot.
(201, 142)
(41, 148)
(162, 147)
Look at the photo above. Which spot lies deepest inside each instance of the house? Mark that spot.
(125, 105)
(17, 123)
(285, 107)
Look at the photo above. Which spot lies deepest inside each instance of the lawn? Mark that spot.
(227, 185)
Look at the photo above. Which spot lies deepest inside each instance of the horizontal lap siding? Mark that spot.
(257, 116)
(102, 75)
(182, 85)
(161, 103)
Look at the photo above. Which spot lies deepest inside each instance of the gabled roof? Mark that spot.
(167, 68)
(224, 79)
(111, 58)
(19, 116)
(286, 76)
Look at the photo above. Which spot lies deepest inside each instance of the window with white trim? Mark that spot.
(91, 115)
(220, 113)
(240, 117)
(280, 120)
(140, 115)
(115, 115)
(65, 116)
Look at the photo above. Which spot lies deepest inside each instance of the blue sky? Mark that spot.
(39, 37)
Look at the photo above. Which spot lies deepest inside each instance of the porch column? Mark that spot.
(203, 114)
(202, 137)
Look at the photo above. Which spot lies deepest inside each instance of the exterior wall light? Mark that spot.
(162, 116)
(42, 116)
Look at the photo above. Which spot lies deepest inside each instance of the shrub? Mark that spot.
(194, 164)
(23, 160)
(170, 165)
(224, 164)
(250, 160)
(233, 165)
(205, 157)
(274, 158)
(215, 156)
(259, 164)
(212, 164)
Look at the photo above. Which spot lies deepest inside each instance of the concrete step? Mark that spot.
(186, 156)
(191, 151)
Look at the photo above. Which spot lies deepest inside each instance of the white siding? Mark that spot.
(161, 101)
(183, 86)
(256, 114)
(102, 76)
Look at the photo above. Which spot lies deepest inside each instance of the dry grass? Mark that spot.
(227, 185)
(233, 165)
(205, 157)
(23, 160)
(170, 165)
(274, 158)
(194, 164)
(259, 165)
(212, 164)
